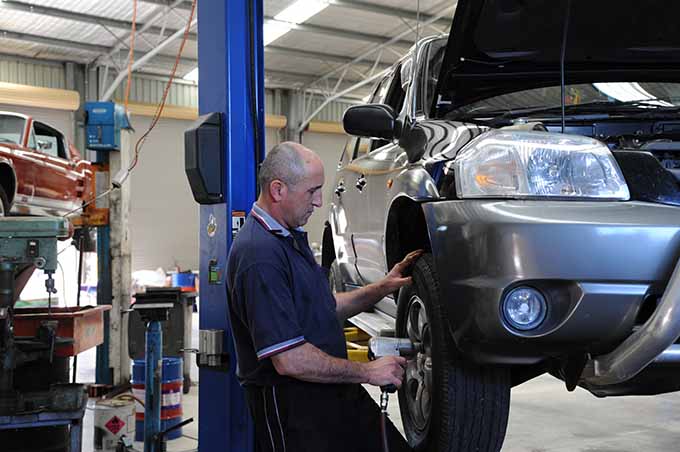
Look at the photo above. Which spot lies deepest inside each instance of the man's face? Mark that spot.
(300, 200)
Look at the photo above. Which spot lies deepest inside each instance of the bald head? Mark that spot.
(287, 162)
(291, 179)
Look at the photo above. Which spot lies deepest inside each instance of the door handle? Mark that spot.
(361, 182)
(340, 188)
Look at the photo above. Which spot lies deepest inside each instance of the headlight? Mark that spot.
(514, 164)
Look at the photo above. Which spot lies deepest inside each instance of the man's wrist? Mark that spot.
(381, 289)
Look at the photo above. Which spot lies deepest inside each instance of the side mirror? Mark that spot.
(372, 121)
(44, 145)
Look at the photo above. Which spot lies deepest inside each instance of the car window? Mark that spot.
(49, 141)
(11, 129)
(356, 146)
(395, 94)
(429, 75)
(31, 139)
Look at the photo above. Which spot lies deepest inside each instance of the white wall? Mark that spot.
(164, 219)
(164, 215)
(59, 119)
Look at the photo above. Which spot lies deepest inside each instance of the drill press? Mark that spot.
(36, 343)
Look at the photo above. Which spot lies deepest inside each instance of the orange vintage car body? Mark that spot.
(41, 171)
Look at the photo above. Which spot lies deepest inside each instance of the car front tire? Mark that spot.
(447, 403)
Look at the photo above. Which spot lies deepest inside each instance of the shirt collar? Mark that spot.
(269, 223)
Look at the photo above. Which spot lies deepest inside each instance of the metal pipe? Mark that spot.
(443, 12)
(152, 385)
(643, 346)
(159, 13)
(142, 61)
(330, 99)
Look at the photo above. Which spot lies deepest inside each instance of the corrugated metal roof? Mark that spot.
(337, 36)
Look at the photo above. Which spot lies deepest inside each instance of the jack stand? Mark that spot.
(153, 314)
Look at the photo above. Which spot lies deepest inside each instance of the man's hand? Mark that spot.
(353, 302)
(395, 279)
(388, 370)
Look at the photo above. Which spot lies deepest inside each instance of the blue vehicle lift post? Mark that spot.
(231, 71)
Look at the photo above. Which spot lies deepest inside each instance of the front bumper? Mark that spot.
(600, 264)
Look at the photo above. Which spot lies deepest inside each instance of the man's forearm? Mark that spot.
(352, 303)
(308, 363)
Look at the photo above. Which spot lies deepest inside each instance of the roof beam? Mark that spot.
(342, 33)
(184, 5)
(285, 51)
(85, 18)
(302, 78)
(388, 11)
(93, 48)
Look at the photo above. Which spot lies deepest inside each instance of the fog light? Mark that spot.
(524, 308)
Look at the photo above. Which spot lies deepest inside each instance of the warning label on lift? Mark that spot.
(115, 424)
(238, 219)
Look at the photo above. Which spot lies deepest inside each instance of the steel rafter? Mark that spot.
(388, 11)
(80, 17)
(341, 33)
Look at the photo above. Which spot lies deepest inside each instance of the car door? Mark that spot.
(57, 184)
(347, 209)
(370, 178)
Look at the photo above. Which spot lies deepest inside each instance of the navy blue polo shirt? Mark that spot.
(279, 298)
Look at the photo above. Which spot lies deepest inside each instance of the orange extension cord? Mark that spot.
(161, 105)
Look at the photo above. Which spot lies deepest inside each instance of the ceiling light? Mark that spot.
(295, 14)
(192, 75)
(273, 30)
(628, 92)
(301, 10)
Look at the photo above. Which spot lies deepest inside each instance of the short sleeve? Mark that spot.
(270, 310)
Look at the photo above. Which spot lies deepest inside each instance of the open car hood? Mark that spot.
(501, 46)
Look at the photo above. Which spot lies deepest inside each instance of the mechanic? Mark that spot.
(302, 391)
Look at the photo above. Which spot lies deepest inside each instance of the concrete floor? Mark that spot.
(544, 417)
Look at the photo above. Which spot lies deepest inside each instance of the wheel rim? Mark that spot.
(418, 380)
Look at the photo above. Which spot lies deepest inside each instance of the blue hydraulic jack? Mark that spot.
(152, 313)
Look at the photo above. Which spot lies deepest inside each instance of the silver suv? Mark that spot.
(535, 155)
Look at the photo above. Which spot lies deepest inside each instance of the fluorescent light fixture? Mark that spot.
(628, 92)
(273, 30)
(295, 14)
(192, 75)
(301, 10)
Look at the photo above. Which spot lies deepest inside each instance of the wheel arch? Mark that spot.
(327, 246)
(406, 230)
(8, 179)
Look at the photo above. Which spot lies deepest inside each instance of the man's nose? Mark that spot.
(317, 200)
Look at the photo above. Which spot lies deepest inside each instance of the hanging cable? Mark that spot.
(161, 105)
(120, 178)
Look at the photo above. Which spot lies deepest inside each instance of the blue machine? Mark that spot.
(230, 55)
(104, 123)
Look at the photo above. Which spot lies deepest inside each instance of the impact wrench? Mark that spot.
(389, 346)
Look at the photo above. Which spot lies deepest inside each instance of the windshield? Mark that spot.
(11, 129)
(646, 95)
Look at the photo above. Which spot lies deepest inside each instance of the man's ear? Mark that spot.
(277, 190)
